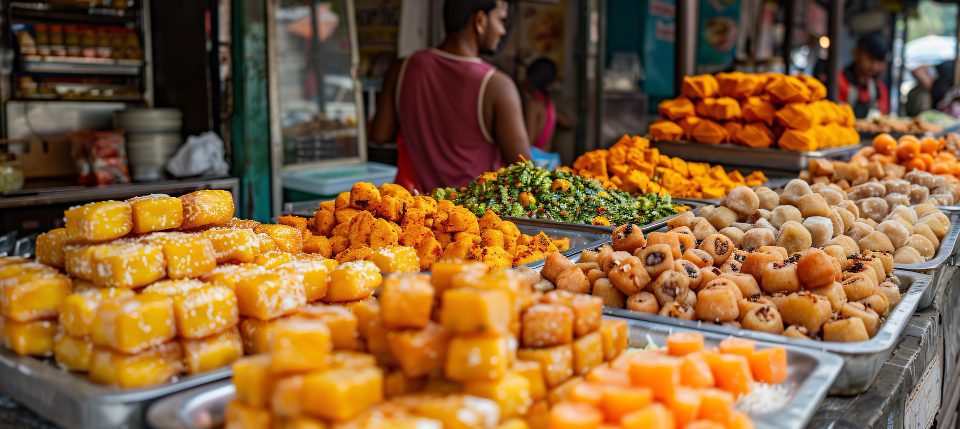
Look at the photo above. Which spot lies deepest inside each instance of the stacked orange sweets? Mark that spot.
(358, 223)
(913, 153)
(442, 351)
(756, 110)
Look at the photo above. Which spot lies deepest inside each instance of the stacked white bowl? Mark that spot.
(153, 136)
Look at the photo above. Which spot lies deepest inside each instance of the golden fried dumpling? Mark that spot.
(817, 90)
(756, 109)
(738, 85)
(787, 89)
(725, 109)
(676, 108)
(687, 125)
(707, 131)
(798, 140)
(665, 131)
(797, 116)
(701, 86)
(755, 135)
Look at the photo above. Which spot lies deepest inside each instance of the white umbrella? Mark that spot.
(929, 50)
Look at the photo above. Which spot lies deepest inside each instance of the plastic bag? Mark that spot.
(201, 155)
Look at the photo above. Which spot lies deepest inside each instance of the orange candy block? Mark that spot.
(298, 345)
(684, 343)
(201, 309)
(511, 393)
(150, 367)
(738, 346)
(619, 401)
(127, 265)
(700, 86)
(133, 324)
(256, 334)
(230, 275)
(98, 222)
(273, 258)
(342, 394)
(769, 365)
(664, 131)
(479, 357)
(155, 213)
(614, 334)
(587, 393)
(545, 325)
(342, 323)
(28, 338)
(366, 310)
(242, 416)
(442, 273)
(204, 208)
(33, 295)
(269, 296)
(312, 274)
(755, 136)
(476, 311)
(571, 415)
(716, 405)
(608, 376)
(531, 371)
(674, 109)
(653, 416)
(587, 353)
(406, 301)
(732, 372)
(233, 245)
(740, 420)
(685, 405)
(695, 371)
(288, 238)
(79, 309)
(707, 131)
(187, 255)
(353, 281)
(661, 375)
(50, 247)
(213, 352)
(396, 259)
(285, 398)
(72, 353)
(555, 362)
(347, 359)
(253, 380)
(803, 141)
(419, 352)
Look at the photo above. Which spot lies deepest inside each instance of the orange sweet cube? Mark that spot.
(285, 398)
(311, 273)
(452, 410)
(353, 281)
(155, 213)
(716, 405)
(545, 325)
(342, 323)
(341, 394)
(731, 372)
(33, 295)
(684, 343)
(298, 345)
(268, 296)
(614, 335)
(396, 259)
(205, 208)
(256, 334)
(233, 245)
(253, 379)
(288, 238)
(134, 323)
(79, 309)
(230, 275)
(273, 258)
(201, 309)
(737, 346)
(564, 392)
(769, 365)
(406, 301)
(366, 310)
(695, 371)
(531, 371)
(98, 222)
(442, 273)
(348, 359)
(555, 362)
(213, 352)
(618, 401)
(266, 243)
(478, 357)
(50, 247)
(685, 405)
(587, 353)
(660, 374)
(511, 393)
(187, 255)
(587, 312)
(72, 353)
(242, 416)
(127, 265)
(653, 416)
(150, 367)
(608, 375)
(476, 311)
(78, 261)
(572, 415)
(419, 352)
(28, 338)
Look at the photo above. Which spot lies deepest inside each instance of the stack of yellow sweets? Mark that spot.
(443, 352)
(756, 110)
(633, 166)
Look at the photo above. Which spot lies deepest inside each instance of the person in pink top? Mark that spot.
(460, 117)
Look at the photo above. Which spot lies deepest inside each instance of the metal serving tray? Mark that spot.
(936, 266)
(695, 205)
(809, 375)
(71, 401)
(582, 237)
(862, 360)
(742, 156)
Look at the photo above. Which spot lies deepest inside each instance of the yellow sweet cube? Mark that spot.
(555, 362)
(419, 352)
(78, 261)
(348, 359)
(454, 411)
(187, 255)
(476, 311)
(133, 324)
(341, 394)
(478, 357)
(285, 399)
(268, 296)
(150, 367)
(353, 281)
(406, 301)
(587, 353)
(79, 309)
(311, 274)
(72, 353)
(288, 238)
(230, 275)
(98, 222)
(242, 416)
(614, 336)
(531, 371)
(442, 273)
(341, 321)
(396, 259)
(50, 247)
(273, 258)
(201, 309)
(238, 245)
(256, 334)
(127, 265)
(511, 393)
(33, 295)
(298, 345)
(266, 243)
(29, 338)
(204, 208)
(253, 380)
(155, 213)
(365, 310)
(377, 344)
(215, 351)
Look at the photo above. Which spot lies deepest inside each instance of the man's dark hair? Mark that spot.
(874, 45)
(457, 13)
(541, 73)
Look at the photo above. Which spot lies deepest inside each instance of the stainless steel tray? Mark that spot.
(810, 373)
(71, 401)
(862, 360)
(582, 237)
(936, 266)
(742, 156)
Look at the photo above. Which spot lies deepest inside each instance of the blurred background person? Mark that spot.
(860, 83)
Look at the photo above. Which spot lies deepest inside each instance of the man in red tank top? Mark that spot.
(459, 116)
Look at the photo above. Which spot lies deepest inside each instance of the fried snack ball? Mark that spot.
(794, 237)
(783, 214)
(721, 217)
(628, 238)
(365, 196)
(743, 201)
(769, 199)
(816, 269)
(794, 190)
